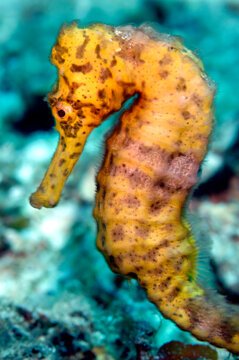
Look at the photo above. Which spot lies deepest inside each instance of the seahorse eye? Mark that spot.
(61, 113)
(62, 110)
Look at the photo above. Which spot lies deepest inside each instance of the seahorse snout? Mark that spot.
(67, 153)
(37, 200)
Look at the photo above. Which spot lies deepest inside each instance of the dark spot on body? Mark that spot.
(131, 201)
(76, 104)
(63, 143)
(197, 100)
(111, 160)
(74, 86)
(152, 254)
(81, 115)
(61, 162)
(65, 172)
(117, 233)
(139, 268)
(66, 80)
(181, 86)
(163, 285)
(94, 110)
(52, 100)
(75, 155)
(113, 62)
(142, 231)
(80, 50)
(158, 271)
(71, 130)
(105, 73)
(178, 263)
(84, 69)
(159, 183)
(103, 193)
(186, 114)
(163, 244)
(173, 294)
(97, 51)
(102, 94)
(125, 83)
(164, 74)
(59, 59)
(113, 94)
(165, 60)
(157, 205)
(77, 125)
(92, 125)
(60, 50)
(135, 176)
(42, 189)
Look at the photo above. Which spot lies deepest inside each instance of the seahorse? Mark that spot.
(150, 165)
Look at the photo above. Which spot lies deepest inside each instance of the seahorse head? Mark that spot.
(82, 96)
(87, 91)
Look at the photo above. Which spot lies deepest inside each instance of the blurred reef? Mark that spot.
(58, 298)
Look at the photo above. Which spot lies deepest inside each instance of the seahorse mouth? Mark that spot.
(66, 155)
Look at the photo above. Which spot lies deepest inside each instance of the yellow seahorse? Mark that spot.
(151, 162)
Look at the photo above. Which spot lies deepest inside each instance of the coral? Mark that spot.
(179, 351)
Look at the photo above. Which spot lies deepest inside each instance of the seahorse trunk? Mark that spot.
(142, 191)
(150, 166)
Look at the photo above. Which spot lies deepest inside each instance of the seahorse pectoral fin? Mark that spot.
(66, 155)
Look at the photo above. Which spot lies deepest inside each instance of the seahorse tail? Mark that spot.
(202, 312)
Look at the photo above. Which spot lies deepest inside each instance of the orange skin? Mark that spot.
(150, 165)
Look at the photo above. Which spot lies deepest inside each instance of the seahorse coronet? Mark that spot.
(150, 165)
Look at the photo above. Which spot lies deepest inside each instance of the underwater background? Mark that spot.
(58, 298)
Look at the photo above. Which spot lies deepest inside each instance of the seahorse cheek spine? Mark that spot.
(150, 165)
